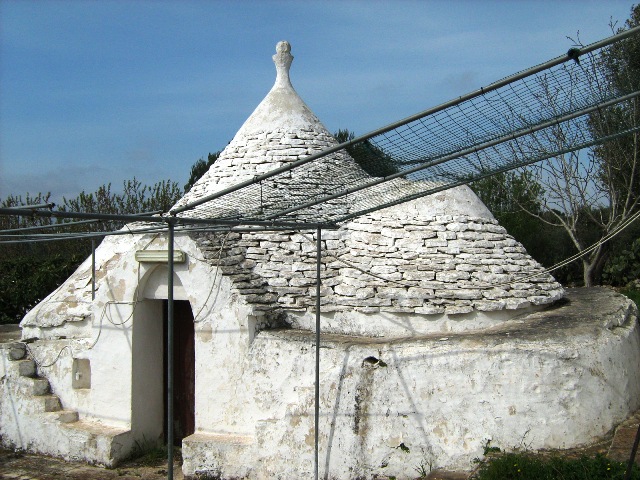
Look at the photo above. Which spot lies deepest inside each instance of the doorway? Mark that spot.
(183, 370)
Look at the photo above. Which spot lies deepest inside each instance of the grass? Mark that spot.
(153, 456)
(529, 466)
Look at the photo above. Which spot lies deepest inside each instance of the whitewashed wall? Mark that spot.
(552, 380)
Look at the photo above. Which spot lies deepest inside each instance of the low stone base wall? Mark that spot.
(557, 378)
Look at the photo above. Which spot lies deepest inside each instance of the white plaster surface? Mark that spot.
(123, 338)
(25, 423)
(554, 379)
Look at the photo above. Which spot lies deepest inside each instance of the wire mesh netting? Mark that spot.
(541, 113)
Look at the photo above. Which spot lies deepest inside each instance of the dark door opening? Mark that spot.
(183, 371)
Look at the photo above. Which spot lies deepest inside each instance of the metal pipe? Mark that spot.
(55, 238)
(96, 216)
(93, 269)
(260, 223)
(39, 205)
(317, 380)
(476, 93)
(171, 225)
(211, 229)
(178, 220)
(42, 227)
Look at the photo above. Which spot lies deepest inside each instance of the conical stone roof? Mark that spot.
(439, 263)
(282, 129)
(436, 264)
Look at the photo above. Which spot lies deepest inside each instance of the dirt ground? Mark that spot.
(23, 466)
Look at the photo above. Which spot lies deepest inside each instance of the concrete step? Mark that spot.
(51, 403)
(27, 368)
(66, 416)
(211, 446)
(222, 438)
(63, 435)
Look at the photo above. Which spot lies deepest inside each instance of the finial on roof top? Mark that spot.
(283, 59)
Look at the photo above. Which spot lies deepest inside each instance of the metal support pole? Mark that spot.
(93, 269)
(632, 457)
(171, 224)
(317, 383)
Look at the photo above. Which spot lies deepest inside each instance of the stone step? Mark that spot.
(10, 333)
(17, 351)
(66, 416)
(621, 446)
(443, 475)
(27, 368)
(51, 403)
(41, 386)
(32, 386)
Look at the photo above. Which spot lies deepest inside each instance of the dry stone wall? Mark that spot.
(444, 255)
(442, 265)
(249, 156)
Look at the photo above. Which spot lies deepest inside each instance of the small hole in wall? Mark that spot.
(81, 373)
(374, 362)
(404, 448)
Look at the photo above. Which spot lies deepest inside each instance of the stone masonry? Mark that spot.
(442, 265)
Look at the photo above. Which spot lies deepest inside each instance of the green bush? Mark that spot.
(29, 271)
(632, 294)
(623, 267)
(27, 280)
(525, 466)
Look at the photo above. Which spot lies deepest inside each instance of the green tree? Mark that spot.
(619, 159)
(134, 198)
(514, 198)
(591, 193)
(199, 168)
(371, 158)
(11, 222)
(31, 270)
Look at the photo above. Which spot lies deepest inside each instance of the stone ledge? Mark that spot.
(585, 312)
(8, 334)
(228, 438)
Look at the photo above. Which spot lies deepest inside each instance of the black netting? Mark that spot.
(535, 115)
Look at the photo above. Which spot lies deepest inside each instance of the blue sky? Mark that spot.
(95, 92)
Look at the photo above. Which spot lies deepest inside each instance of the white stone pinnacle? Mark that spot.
(283, 59)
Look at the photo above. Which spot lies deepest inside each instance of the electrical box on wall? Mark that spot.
(81, 373)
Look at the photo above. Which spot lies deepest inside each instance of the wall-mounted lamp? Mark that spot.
(160, 256)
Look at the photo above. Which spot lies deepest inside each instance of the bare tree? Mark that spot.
(592, 192)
